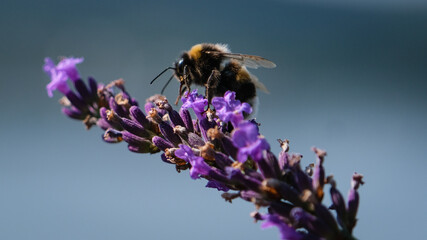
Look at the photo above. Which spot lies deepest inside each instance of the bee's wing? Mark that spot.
(249, 61)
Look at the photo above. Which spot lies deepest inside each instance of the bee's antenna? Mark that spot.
(166, 84)
(161, 74)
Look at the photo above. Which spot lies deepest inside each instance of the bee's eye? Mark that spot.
(180, 66)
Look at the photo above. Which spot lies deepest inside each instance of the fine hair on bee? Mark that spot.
(218, 70)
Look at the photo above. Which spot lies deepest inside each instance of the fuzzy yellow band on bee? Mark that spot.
(196, 51)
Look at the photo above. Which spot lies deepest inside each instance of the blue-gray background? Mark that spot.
(351, 78)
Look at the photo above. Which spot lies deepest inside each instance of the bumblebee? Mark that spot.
(219, 70)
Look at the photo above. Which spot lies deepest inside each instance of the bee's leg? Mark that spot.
(184, 84)
(186, 80)
(181, 91)
(211, 85)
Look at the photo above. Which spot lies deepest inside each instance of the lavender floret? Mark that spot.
(229, 109)
(112, 136)
(195, 101)
(353, 200)
(68, 65)
(83, 91)
(199, 166)
(186, 117)
(286, 231)
(66, 69)
(73, 113)
(218, 185)
(249, 142)
(161, 143)
(137, 115)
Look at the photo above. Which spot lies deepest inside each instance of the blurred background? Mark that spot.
(350, 78)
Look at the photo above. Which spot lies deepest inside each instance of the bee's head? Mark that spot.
(181, 66)
(181, 71)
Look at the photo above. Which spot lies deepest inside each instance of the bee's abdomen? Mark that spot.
(236, 78)
(246, 92)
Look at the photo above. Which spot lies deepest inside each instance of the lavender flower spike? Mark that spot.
(233, 158)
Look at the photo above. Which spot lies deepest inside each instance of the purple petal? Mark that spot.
(58, 82)
(286, 232)
(68, 65)
(199, 167)
(48, 65)
(184, 152)
(246, 138)
(229, 109)
(239, 138)
(59, 74)
(198, 164)
(195, 101)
